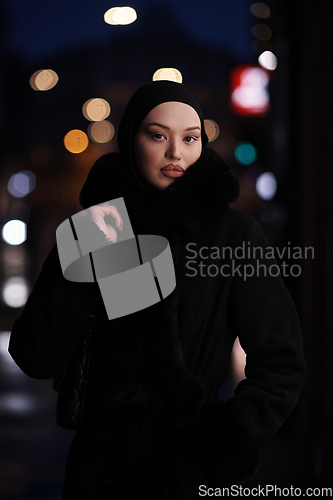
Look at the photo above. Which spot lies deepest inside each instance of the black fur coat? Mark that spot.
(179, 435)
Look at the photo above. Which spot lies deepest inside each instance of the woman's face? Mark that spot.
(167, 143)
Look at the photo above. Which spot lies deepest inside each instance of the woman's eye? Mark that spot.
(190, 139)
(158, 136)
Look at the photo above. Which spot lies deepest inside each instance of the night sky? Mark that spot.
(37, 29)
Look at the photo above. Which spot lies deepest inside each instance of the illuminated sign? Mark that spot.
(249, 92)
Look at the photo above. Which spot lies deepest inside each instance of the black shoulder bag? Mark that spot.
(72, 385)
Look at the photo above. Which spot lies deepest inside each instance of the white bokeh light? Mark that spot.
(120, 15)
(18, 404)
(14, 232)
(266, 185)
(171, 74)
(22, 183)
(15, 292)
(125, 15)
(252, 92)
(4, 342)
(8, 366)
(268, 60)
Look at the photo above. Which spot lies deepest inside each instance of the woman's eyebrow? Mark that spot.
(158, 125)
(164, 126)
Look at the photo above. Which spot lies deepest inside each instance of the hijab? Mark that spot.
(141, 103)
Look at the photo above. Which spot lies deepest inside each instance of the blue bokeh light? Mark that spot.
(245, 153)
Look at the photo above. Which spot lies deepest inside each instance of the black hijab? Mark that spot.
(141, 103)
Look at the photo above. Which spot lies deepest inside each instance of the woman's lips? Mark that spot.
(172, 170)
(172, 173)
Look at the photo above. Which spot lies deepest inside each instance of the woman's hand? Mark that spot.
(97, 214)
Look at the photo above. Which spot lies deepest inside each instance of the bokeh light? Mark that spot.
(8, 365)
(249, 94)
(171, 74)
(76, 141)
(33, 78)
(212, 130)
(101, 132)
(120, 15)
(245, 153)
(268, 60)
(109, 14)
(14, 232)
(22, 183)
(262, 32)
(18, 404)
(96, 109)
(125, 15)
(4, 343)
(15, 292)
(266, 185)
(260, 9)
(44, 79)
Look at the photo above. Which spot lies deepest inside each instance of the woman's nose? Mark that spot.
(173, 151)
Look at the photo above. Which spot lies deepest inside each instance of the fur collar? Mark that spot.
(193, 202)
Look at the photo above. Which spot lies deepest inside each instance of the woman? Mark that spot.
(155, 427)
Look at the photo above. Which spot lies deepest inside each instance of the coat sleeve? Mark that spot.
(51, 325)
(264, 317)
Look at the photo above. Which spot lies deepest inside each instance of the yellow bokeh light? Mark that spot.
(76, 141)
(261, 10)
(171, 74)
(44, 79)
(120, 15)
(96, 110)
(32, 80)
(101, 132)
(212, 130)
